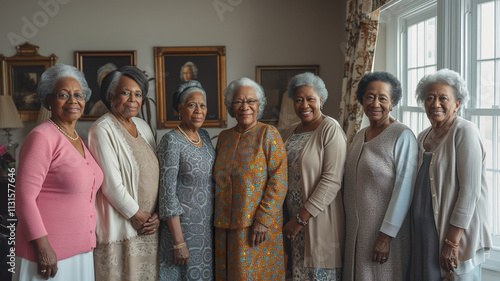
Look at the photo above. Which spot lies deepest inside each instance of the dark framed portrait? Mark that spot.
(274, 79)
(174, 65)
(22, 73)
(95, 65)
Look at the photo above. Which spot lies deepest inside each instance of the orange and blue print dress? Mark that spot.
(251, 183)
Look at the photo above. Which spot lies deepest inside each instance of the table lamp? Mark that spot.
(9, 119)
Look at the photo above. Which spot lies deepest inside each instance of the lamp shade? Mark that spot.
(9, 117)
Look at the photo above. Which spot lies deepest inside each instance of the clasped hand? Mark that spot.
(144, 223)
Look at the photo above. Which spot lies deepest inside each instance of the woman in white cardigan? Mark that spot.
(316, 150)
(450, 206)
(124, 147)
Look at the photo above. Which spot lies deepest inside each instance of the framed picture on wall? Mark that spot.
(274, 79)
(22, 73)
(174, 65)
(95, 65)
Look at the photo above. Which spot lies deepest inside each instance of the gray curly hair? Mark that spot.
(311, 80)
(54, 73)
(244, 82)
(445, 76)
(193, 68)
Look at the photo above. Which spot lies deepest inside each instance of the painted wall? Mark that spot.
(279, 32)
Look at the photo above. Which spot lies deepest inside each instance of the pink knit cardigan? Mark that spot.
(55, 194)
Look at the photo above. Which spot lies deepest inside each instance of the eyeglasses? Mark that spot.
(65, 96)
(240, 103)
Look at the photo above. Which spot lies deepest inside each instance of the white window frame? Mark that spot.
(454, 51)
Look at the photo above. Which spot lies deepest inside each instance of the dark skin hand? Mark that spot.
(181, 256)
(382, 248)
(448, 259)
(46, 258)
(258, 234)
(292, 227)
(151, 225)
(144, 223)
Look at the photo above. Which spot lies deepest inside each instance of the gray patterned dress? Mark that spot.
(187, 191)
(294, 204)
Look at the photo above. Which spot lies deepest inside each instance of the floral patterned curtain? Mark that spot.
(362, 27)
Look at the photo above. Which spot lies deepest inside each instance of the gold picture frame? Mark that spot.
(274, 79)
(207, 65)
(90, 63)
(21, 74)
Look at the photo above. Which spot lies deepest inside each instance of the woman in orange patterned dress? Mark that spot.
(251, 183)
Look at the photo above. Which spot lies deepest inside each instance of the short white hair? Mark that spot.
(244, 82)
(54, 73)
(311, 80)
(445, 76)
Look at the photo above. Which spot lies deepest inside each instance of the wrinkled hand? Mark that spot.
(181, 256)
(382, 248)
(258, 234)
(291, 229)
(449, 258)
(46, 258)
(150, 226)
(139, 219)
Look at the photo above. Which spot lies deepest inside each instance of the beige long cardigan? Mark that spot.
(321, 170)
(459, 189)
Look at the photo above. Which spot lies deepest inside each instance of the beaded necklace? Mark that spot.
(190, 140)
(62, 131)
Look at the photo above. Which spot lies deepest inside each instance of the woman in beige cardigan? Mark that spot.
(316, 150)
(450, 205)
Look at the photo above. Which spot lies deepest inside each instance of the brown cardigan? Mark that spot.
(321, 175)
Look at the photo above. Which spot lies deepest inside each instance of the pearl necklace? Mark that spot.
(62, 131)
(190, 140)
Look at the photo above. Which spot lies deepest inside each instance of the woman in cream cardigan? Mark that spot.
(314, 201)
(450, 206)
(124, 147)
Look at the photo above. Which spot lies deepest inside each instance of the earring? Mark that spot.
(50, 108)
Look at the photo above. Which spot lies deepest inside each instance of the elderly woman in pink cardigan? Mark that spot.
(56, 186)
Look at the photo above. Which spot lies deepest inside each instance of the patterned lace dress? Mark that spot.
(187, 191)
(294, 204)
(136, 258)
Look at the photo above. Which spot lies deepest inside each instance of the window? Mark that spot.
(419, 35)
(462, 35)
(484, 108)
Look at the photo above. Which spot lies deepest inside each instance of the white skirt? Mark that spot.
(76, 268)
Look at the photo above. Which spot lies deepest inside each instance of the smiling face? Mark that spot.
(377, 101)
(193, 111)
(307, 104)
(245, 107)
(66, 110)
(127, 99)
(440, 104)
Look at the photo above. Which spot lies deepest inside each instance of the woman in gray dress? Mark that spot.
(187, 191)
(379, 176)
